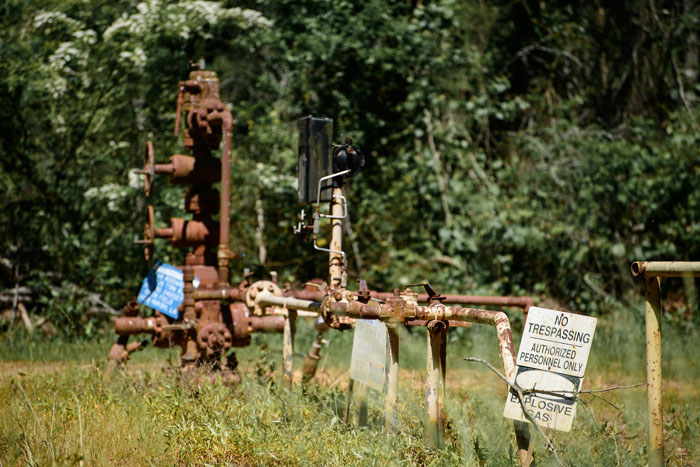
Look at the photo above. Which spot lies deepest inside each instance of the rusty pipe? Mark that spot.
(492, 318)
(665, 268)
(270, 324)
(223, 254)
(266, 299)
(225, 293)
(128, 325)
(318, 295)
(440, 312)
(486, 300)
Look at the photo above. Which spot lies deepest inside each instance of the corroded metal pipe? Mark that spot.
(128, 325)
(335, 260)
(226, 293)
(435, 383)
(654, 391)
(485, 300)
(290, 303)
(665, 268)
(652, 271)
(269, 324)
(474, 315)
(392, 380)
(223, 253)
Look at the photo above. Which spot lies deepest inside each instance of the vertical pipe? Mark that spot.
(225, 208)
(190, 350)
(336, 260)
(653, 343)
(433, 433)
(392, 383)
(443, 375)
(288, 347)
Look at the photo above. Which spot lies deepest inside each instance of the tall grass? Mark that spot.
(152, 414)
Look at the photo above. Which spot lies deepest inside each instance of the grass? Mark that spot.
(56, 408)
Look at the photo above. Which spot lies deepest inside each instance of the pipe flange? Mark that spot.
(258, 288)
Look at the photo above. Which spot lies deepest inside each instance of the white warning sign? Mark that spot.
(368, 364)
(556, 341)
(550, 410)
(552, 359)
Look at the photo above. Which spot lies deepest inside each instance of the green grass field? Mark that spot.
(56, 408)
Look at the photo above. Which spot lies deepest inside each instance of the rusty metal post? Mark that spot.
(653, 343)
(288, 347)
(435, 385)
(392, 380)
(652, 271)
(336, 259)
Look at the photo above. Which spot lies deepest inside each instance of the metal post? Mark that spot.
(288, 347)
(392, 383)
(443, 375)
(435, 386)
(336, 259)
(653, 342)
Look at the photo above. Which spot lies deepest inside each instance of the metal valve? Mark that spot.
(302, 226)
(433, 296)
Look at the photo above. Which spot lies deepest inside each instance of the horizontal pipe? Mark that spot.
(127, 325)
(517, 302)
(665, 268)
(289, 303)
(272, 324)
(355, 310)
(451, 324)
(237, 294)
(227, 293)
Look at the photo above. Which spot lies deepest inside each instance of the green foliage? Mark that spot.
(514, 148)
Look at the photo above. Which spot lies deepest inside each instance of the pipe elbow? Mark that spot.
(500, 317)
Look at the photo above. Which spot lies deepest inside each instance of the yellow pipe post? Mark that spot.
(335, 260)
(652, 271)
(654, 390)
